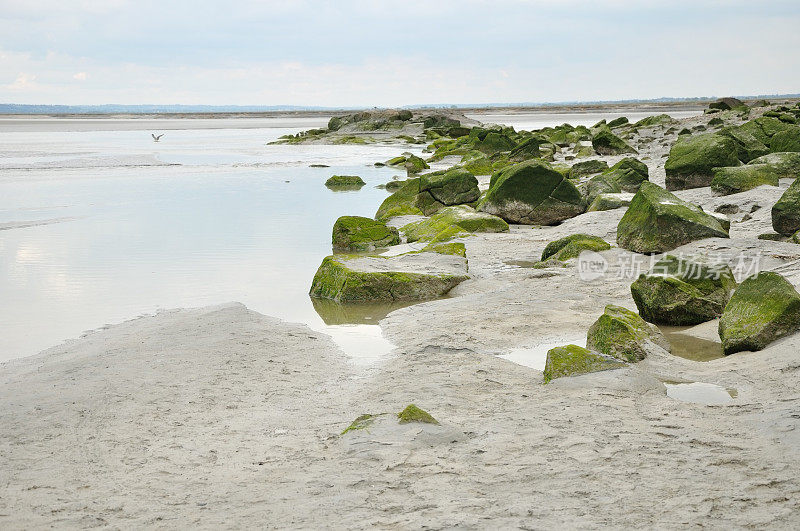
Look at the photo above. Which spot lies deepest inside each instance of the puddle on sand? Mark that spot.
(700, 393)
(690, 347)
(354, 327)
(535, 356)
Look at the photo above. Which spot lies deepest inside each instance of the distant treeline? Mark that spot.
(15, 108)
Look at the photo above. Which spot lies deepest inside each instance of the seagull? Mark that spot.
(156, 138)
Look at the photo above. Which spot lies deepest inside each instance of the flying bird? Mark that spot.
(156, 138)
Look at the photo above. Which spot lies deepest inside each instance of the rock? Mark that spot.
(748, 146)
(785, 165)
(786, 141)
(624, 335)
(414, 414)
(462, 216)
(532, 193)
(495, 142)
(335, 123)
(599, 184)
(658, 221)
(455, 186)
(573, 360)
(610, 202)
(406, 277)
(354, 233)
(616, 122)
(345, 181)
(588, 167)
(786, 212)
(682, 292)
(629, 173)
(737, 179)
(658, 119)
(726, 104)
(605, 142)
(572, 246)
(526, 149)
(764, 308)
(692, 158)
(412, 163)
(400, 203)
(362, 422)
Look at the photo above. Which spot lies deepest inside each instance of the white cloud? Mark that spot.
(80, 76)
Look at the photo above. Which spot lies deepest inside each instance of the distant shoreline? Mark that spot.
(506, 109)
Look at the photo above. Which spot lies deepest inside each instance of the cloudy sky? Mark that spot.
(386, 53)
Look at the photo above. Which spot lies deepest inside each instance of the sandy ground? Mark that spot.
(224, 418)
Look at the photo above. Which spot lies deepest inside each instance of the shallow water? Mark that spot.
(700, 393)
(691, 347)
(99, 224)
(535, 356)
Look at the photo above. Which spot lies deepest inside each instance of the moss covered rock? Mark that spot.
(785, 165)
(413, 413)
(786, 212)
(622, 334)
(610, 201)
(764, 308)
(407, 277)
(692, 158)
(682, 292)
(588, 167)
(455, 186)
(495, 142)
(345, 181)
(354, 233)
(572, 360)
(527, 149)
(616, 122)
(725, 104)
(748, 145)
(362, 422)
(787, 140)
(572, 246)
(532, 193)
(737, 179)
(599, 184)
(412, 163)
(657, 119)
(605, 142)
(462, 216)
(629, 173)
(658, 221)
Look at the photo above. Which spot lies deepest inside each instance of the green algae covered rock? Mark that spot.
(658, 221)
(453, 248)
(610, 201)
(725, 104)
(464, 217)
(527, 149)
(785, 164)
(455, 186)
(345, 181)
(572, 246)
(629, 173)
(407, 277)
(572, 360)
(658, 119)
(412, 163)
(764, 308)
(354, 233)
(495, 142)
(605, 142)
(599, 184)
(748, 145)
(616, 122)
(692, 158)
(787, 140)
(682, 292)
(588, 167)
(413, 413)
(400, 202)
(786, 212)
(622, 334)
(362, 422)
(477, 163)
(737, 179)
(532, 193)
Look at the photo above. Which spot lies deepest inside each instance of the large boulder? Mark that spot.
(572, 360)
(610, 201)
(785, 165)
(495, 142)
(345, 182)
(629, 173)
(748, 146)
(532, 193)
(403, 202)
(692, 158)
(355, 233)
(605, 142)
(455, 186)
(572, 246)
(682, 292)
(658, 221)
(406, 277)
(786, 212)
(737, 179)
(764, 308)
(463, 217)
(624, 335)
(527, 149)
(726, 104)
(588, 167)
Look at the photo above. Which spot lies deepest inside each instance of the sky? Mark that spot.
(393, 53)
